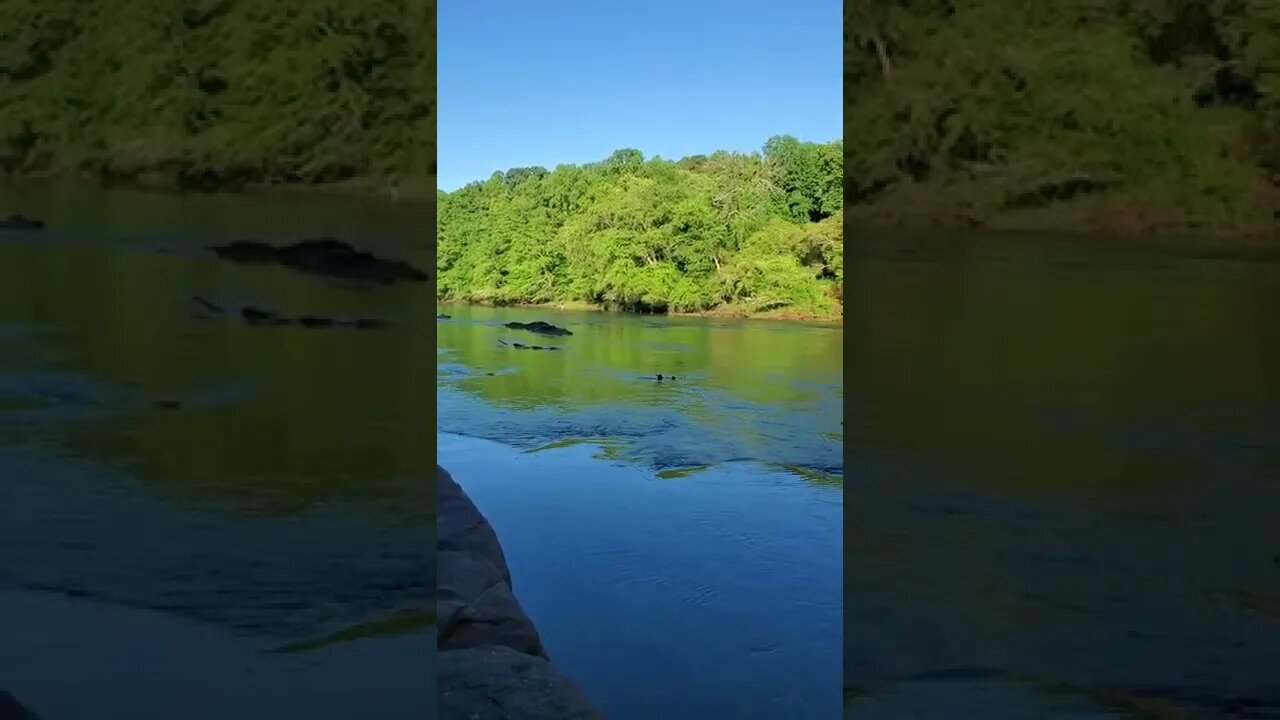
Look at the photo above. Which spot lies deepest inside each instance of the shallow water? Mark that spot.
(1065, 479)
(265, 483)
(676, 543)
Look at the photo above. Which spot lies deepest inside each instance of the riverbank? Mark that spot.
(917, 206)
(725, 311)
(419, 191)
(490, 663)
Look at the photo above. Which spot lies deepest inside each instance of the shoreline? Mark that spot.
(729, 313)
(417, 193)
(490, 663)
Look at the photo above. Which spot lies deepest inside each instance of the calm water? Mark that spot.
(1065, 483)
(283, 500)
(676, 543)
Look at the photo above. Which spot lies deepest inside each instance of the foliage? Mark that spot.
(758, 232)
(1035, 103)
(217, 92)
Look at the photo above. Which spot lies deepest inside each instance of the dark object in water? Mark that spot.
(522, 346)
(21, 222)
(308, 321)
(442, 316)
(11, 709)
(211, 307)
(168, 404)
(258, 316)
(537, 326)
(322, 256)
(661, 377)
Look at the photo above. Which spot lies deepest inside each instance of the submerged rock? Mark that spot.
(522, 346)
(538, 326)
(21, 222)
(491, 663)
(259, 316)
(322, 256)
(11, 709)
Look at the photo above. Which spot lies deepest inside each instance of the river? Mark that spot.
(201, 518)
(1065, 479)
(677, 543)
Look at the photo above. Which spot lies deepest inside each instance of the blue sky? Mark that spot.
(546, 82)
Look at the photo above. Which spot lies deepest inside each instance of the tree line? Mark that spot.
(983, 108)
(217, 93)
(747, 232)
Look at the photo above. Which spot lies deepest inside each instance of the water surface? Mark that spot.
(262, 485)
(675, 542)
(1066, 469)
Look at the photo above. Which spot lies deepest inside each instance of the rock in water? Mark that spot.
(11, 709)
(21, 222)
(498, 683)
(490, 664)
(322, 256)
(538, 326)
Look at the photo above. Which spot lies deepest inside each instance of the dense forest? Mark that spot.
(745, 233)
(1131, 114)
(220, 93)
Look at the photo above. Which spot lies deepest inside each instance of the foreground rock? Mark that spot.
(491, 664)
(322, 256)
(11, 709)
(538, 326)
(21, 222)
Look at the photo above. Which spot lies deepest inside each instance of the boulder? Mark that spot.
(498, 683)
(538, 326)
(322, 256)
(490, 662)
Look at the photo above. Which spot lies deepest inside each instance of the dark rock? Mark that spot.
(11, 709)
(308, 321)
(491, 663)
(538, 326)
(207, 305)
(322, 256)
(21, 222)
(442, 316)
(258, 316)
(498, 683)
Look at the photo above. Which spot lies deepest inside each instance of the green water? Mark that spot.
(270, 482)
(1064, 463)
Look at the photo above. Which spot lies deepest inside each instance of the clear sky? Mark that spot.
(546, 82)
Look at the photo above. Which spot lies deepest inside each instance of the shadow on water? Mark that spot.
(1064, 468)
(270, 481)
